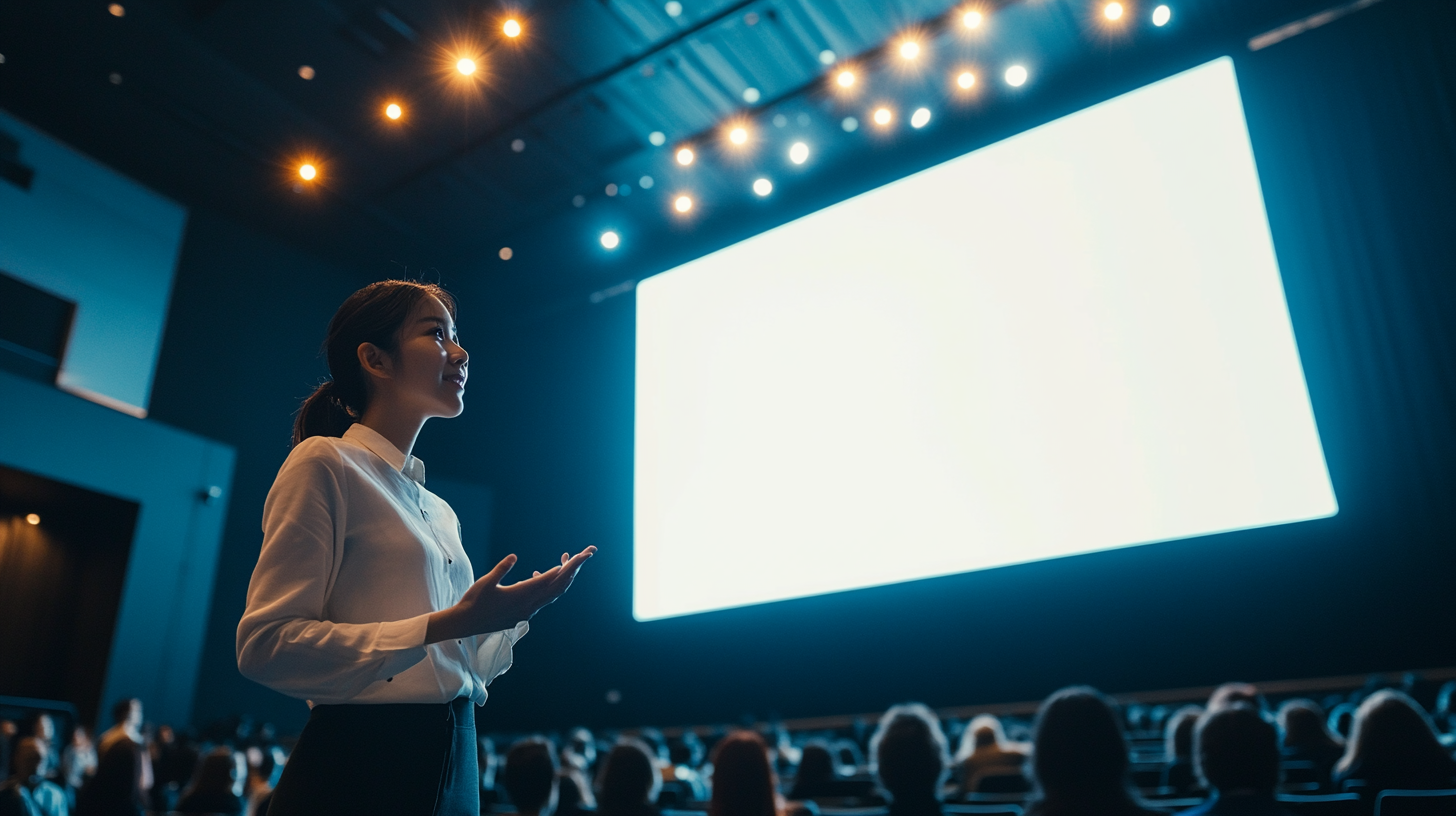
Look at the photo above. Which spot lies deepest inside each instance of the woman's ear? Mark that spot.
(375, 361)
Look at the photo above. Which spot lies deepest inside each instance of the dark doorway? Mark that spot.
(63, 557)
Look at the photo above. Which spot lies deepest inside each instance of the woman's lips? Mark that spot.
(459, 381)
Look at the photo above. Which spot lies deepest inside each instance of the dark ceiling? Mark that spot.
(203, 100)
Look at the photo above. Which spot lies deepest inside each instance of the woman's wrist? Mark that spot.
(441, 626)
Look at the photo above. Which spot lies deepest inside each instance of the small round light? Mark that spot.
(307, 172)
(827, 57)
(518, 145)
(910, 49)
(920, 118)
(883, 116)
(512, 28)
(682, 204)
(657, 138)
(31, 518)
(645, 182)
(1112, 11)
(966, 80)
(578, 201)
(1161, 15)
(465, 66)
(685, 156)
(845, 79)
(1016, 76)
(850, 124)
(307, 71)
(799, 153)
(738, 136)
(393, 110)
(673, 8)
(117, 10)
(751, 95)
(611, 190)
(610, 239)
(506, 253)
(762, 187)
(972, 19)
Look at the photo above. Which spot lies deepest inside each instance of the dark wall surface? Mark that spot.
(1357, 154)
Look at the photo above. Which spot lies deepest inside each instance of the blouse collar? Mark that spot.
(375, 442)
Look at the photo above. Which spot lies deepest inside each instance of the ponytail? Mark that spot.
(322, 414)
(374, 314)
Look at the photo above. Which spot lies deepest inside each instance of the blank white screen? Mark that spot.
(1072, 340)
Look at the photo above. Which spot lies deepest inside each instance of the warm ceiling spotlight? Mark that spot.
(512, 28)
(31, 518)
(845, 79)
(682, 203)
(738, 136)
(1161, 15)
(506, 253)
(307, 172)
(883, 116)
(307, 71)
(966, 80)
(685, 156)
(972, 19)
(920, 118)
(1112, 11)
(762, 187)
(909, 49)
(117, 10)
(465, 65)
(799, 153)
(393, 110)
(1016, 76)
(610, 239)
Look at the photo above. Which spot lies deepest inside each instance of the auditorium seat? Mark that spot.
(1416, 803)
(1300, 776)
(1330, 804)
(1002, 809)
(1003, 783)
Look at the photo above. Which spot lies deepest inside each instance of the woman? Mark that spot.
(1393, 746)
(984, 752)
(743, 781)
(1306, 737)
(1178, 751)
(629, 781)
(217, 786)
(362, 601)
(911, 759)
(1079, 758)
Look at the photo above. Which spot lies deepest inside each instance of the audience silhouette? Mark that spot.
(1237, 755)
(530, 777)
(1080, 758)
(908, 751)
(629, 780)
(744, 783)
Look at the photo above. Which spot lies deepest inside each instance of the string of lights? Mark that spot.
(844, 79)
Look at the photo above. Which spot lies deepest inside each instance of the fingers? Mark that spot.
(495, 576)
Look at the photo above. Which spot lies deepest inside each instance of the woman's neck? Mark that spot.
(399, 427)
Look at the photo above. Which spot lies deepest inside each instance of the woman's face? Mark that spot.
(429, 368)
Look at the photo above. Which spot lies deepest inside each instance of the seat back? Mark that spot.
(1330, 804)
(1415, 803)
(1002, 809)
(1003, 783)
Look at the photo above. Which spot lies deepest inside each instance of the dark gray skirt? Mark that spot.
(383, 760)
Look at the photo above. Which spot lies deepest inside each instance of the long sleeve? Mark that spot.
(284, 641)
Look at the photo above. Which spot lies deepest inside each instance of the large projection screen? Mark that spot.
(1072, 340)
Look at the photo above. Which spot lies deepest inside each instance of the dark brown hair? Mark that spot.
(628, 778)
(374, 314)
(743, 781)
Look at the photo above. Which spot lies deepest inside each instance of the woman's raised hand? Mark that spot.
(490, 606)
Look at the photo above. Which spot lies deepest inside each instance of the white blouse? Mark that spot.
(356, 555)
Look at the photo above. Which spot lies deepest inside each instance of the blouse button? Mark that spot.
(389, 679)
(449, 560)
